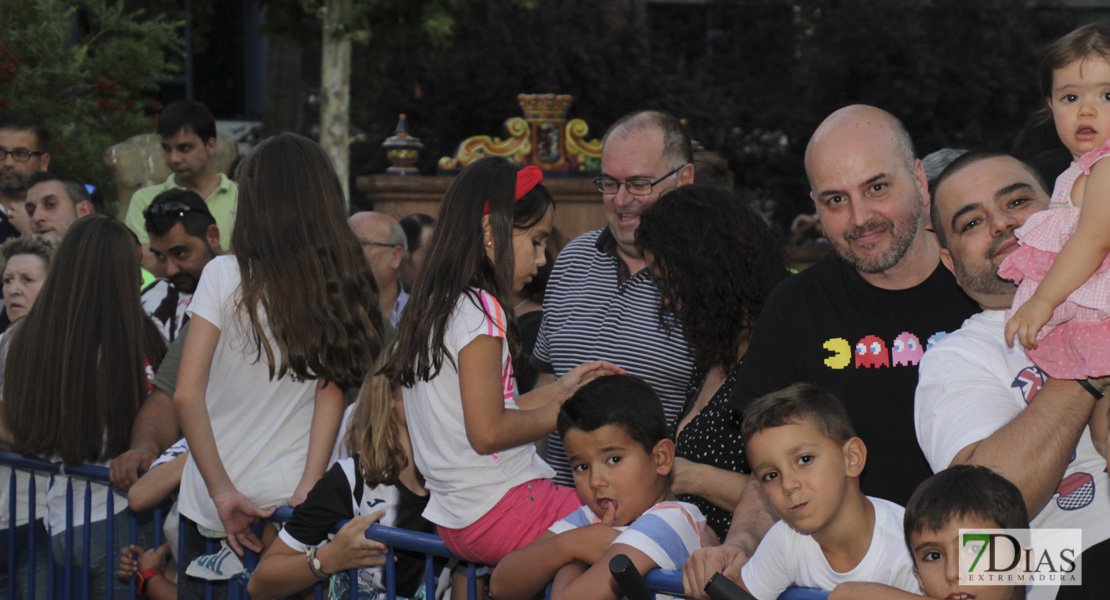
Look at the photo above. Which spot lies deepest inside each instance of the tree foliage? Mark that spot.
(753, 78)
(80, 67)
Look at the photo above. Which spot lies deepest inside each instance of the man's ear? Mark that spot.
(83, 208)
(398, 256)
(686, 174)
(663, 455)
(44, 161)
(922, 181)
(210, 146)
(855, 456)
(212, 236)
(946, 258)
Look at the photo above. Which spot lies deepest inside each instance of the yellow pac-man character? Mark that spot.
(841, 353)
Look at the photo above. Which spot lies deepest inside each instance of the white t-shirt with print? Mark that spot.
(971, 384)
(261, 426)
(787, 558)
(464, 485)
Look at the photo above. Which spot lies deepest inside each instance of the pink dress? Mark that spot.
(1075, 343)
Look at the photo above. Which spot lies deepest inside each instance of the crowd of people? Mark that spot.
(702, 408)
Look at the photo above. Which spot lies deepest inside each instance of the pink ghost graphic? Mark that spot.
(906, 349)
(1076, 491)
(871, 352)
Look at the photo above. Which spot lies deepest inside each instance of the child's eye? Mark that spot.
(931, 556)
(805, 459)
(768, 476)
(579, 468)
(613, 460)
(1106, 96)
(1070, 98)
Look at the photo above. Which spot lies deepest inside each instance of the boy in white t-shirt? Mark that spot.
(615, 435)
(803, 449)
(960, 497)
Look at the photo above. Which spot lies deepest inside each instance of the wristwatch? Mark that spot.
(1092, 388)
(142, 577)
(314, 565)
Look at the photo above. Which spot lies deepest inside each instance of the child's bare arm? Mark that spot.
(859, 590)
(524, 573)
(327, 413)
(157, 484)
(1077, 261)
(597, 582)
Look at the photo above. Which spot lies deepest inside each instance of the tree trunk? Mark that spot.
(284, 87)
(335, 88)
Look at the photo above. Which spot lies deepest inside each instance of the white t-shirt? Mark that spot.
(261, 426)
(786, 557)
(56, 502)
(22, 478)
(971, 384)
(464, 485)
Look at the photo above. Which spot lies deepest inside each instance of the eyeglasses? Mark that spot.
(637, 186)
(383, 245)
(19, 154)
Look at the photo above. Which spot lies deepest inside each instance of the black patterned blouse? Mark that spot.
(712, 438)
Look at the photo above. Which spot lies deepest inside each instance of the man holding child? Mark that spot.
(980, 402)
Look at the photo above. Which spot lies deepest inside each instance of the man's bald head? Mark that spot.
(860, 120)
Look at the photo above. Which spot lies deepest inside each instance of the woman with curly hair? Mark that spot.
(715, 262)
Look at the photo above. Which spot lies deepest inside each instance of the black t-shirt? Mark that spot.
(332, 499)
(828, 326)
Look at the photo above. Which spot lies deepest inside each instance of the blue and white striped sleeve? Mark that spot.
(668, 533)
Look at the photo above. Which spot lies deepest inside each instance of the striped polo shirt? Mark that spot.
(592, 312)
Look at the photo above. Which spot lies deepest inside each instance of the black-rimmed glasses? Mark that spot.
(19, 154)
(637, 186)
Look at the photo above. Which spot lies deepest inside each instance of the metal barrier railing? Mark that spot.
(74, 582)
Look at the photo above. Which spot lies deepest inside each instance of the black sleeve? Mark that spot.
(328, 502)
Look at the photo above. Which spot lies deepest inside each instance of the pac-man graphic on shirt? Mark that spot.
(906, 350)
(871, 352)
(841, 353)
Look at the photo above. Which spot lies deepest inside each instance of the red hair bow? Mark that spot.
(526, 179)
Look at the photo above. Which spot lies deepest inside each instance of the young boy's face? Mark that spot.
(805, 474)
(614, 473)
(936, 562)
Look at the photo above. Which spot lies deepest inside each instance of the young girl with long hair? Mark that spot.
(278, 331)
(472, 436)
(75, 371)
(377, 482)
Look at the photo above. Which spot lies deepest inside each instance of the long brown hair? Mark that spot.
(302, 267)
(457, 261)
(76, 365)
(375, 433)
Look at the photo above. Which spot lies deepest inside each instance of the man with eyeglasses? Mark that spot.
(23, 144)
(188, 132)
(601, 301)
(384, 245)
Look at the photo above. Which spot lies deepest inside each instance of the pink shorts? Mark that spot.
(521, 516)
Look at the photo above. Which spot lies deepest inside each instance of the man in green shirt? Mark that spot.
(188, 132)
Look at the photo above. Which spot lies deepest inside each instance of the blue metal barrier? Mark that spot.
(658, 581)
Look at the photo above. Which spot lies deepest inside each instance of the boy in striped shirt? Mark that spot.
(615, 435)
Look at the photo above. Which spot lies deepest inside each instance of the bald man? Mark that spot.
(384, 245)
(857, 322)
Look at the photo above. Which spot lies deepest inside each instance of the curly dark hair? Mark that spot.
(715, 262)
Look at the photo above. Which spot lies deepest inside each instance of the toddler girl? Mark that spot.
(1061, 310)
(472, 436)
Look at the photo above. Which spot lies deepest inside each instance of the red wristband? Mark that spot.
(144, 576)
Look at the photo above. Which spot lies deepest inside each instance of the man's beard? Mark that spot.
(16, 184)
(903, 234)
(986, 280)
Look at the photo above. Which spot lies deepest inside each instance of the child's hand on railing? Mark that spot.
(134, 559)
(351, 549)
